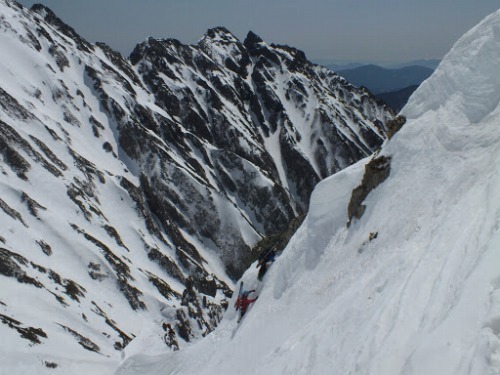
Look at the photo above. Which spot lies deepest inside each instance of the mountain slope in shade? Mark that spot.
(412, 284)
(133, 190)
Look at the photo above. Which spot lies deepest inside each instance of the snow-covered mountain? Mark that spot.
(133, 191)
(412, 284)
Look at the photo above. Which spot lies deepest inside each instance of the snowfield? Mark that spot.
(413, 287)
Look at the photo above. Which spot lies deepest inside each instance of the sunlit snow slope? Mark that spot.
(413, 286)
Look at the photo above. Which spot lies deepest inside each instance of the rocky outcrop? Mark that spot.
(376, 172)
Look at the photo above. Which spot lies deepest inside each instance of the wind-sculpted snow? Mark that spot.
(133, 191)
(410, 287)
(467, 78)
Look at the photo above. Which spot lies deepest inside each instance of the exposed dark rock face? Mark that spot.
(394, 125)
(376, 172)
(29, 333)
(59, 25)
(85, 342)
(11, 266)
(125, 182)
(247, 96)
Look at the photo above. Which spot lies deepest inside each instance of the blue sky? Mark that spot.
(339, 30)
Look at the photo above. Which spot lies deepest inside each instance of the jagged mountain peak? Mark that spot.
(154, 48)
(52, 19)
(252, 39)
(48, 15)
(259, 49)
(220, 34)
(224, 48)
(215, 38)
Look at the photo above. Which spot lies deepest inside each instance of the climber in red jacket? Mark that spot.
(244, 302)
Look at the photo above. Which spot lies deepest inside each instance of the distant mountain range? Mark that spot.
(337, 66)
(427, 63)
(393, 86)
(379, 80)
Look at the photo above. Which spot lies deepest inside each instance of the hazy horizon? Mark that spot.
(341, 31)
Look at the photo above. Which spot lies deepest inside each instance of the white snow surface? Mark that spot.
(413, 287)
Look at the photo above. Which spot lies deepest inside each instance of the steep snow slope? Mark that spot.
(413, 286)
(83, 264)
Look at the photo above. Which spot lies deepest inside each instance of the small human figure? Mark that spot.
(265, 261)
(245, 302)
